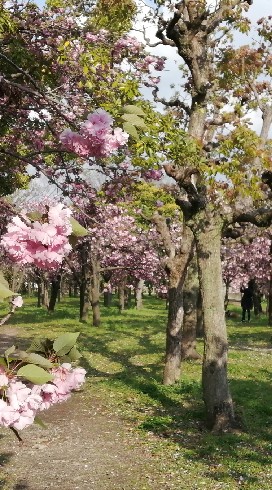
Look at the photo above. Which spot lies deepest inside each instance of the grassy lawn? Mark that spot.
(124, 360)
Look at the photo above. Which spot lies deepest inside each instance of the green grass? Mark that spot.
(124, 360)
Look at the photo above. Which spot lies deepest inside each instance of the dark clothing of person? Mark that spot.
(246, 303)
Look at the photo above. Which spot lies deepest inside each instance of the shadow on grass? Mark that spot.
(176, 413)
(68, 310)
(253, 338)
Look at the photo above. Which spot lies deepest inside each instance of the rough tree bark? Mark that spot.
(84, 285)
(84, 299)
(139, 294)
(216, 394)
(269, 306)
(121, 294)
(45, 293)
(176, 268)
(199, 316)
(190, 300)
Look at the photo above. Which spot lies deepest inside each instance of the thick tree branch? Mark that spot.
(171, 103)
(261, 217)
(163, 230)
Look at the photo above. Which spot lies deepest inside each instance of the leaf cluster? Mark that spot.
(35, 363)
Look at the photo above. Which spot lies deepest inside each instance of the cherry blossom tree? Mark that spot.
(247, 260)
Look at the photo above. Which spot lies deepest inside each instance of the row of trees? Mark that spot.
(66, 61)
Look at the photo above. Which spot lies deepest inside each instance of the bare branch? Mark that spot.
(219, 15)
(171, 103)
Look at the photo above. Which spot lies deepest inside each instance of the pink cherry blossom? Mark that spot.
(8, 415)
(96, 137)
(17, 394)
(17, 301)
(26, 418)
(41, 244)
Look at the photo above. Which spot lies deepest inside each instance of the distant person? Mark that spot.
(246, 301)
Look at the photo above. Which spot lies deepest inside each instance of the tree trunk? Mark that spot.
(190, 298)
(139, 294)
(61, 290)
(269, 300)
(45, 293)
(269, 306)
(176, 269)
(84, 285)
(95, 291)
(84, 300)
(17, 278)
(121, 295)
(199, 316)
(226, 299)
(129, 297)
(216, 394)
(173, 334)
(39, 293)
(55, 287)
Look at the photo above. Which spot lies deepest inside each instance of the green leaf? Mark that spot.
(64, 343)
(35, 374)
(74, 354)
(77, 229)
(34, 216)
(3, 362)
(34, 358)
(63, 359)
(9, 351)
(134, 120)
(5, 292)
(40, 422)
(133, 109)
(73, 240)
(131, 130)
(40, 345)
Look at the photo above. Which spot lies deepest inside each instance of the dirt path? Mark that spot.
(83, 447)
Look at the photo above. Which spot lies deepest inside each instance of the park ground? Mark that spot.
(125, 430)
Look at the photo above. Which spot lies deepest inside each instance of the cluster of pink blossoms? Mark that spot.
(127, 43)
(101, 36)
(96, 137)
(19, 403)
(153, 174)
(41, 244)
(154, 62)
